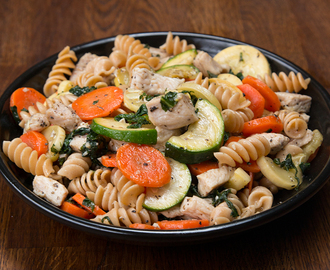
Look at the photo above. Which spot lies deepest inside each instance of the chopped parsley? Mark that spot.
(147, 97)
(79, 91)
(287, 165)
(241, 57)
(169, 100)
(106, 218)
(88, 203)
(95, 101)
(223, 197)
(136, 120)
(239, 74)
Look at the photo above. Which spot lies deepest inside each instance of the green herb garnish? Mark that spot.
(106, 218)
(223, 197)
(88, 203)
(79, 91)
(169, 100)
(211, 75)
(136, 120)
(287, 165)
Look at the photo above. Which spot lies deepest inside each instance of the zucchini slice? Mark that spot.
(55, 136)
(111, 128)
(163, 198)
(244, 58)
(202, 138)
(184, 58)
(133, 100)
(188, 72)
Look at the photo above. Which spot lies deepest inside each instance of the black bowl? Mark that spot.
(285, 201)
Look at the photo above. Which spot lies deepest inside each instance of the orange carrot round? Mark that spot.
(98, 103)
(25, 97)
(257, 100)
(144, 165)
(272, 103)
(75, 210)
(36, 140)
(250, 166)
(202, 167)
(143, 226)
(269, 123)
(182, 224)
(109, 160)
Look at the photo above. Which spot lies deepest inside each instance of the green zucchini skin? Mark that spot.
(164, 198)
(184, 58)
(202, 138)
(116, 130)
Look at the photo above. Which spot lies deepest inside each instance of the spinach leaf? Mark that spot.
(137, 119)
(287, 165)
(79, 91)
(169, 100)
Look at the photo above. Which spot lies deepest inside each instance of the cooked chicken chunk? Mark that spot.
(172, 212)
(77, 142)
(196, 207)
(181, 115)
(152, 83)
(295, 102)
(37, 122)
(163, 135)
(205, 63)
(277, 141)
(64, 116)
(213, 179)
(51, 190)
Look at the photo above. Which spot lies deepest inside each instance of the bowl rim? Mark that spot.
(156, 236)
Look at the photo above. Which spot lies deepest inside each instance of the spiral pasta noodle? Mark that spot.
(137, 60)
(130, 194)
(90, 79)
(228, 99)
(26, 115)
(282, 82)
(120, 216)
(222, 213)
(295, 126)
(75, 166)
(202, 82)
(234, 120)
(247, 149)
(26, 158)
(62, 67)
(118, 58)
(174, 46)
(104, 197)
(89, 181)
(261, 198)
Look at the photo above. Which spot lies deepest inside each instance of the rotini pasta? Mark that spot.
(294, 125)
(282, 82)
(60, 70)
(234, 120)
(174, 46)
(26, 158)
(75, 166)
(247, 149)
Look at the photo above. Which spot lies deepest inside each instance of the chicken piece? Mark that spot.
(77, 142)
(152, 83)
(295, 102)
(163, 135)
(196, 207)
(213, 179)
(81, 65)
(277, 141)
(115, 144)
(37, 122)
(64, 116)
(206, 64)
(51, 190)
(181, 115)
(172, 212)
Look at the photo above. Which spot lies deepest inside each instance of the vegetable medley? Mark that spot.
(165, 137)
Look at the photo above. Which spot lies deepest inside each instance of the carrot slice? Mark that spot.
(272, 103)
(109, 160)
(87, 204)
(36, 140)
(182, 224)
(144, 165)
(143, 226)
(250, 184)
(250, 166)
(202, 167)
(269, 123)
(233, 139)
(257, 100)
(76, 211)
(98, 103)
(24, 97)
